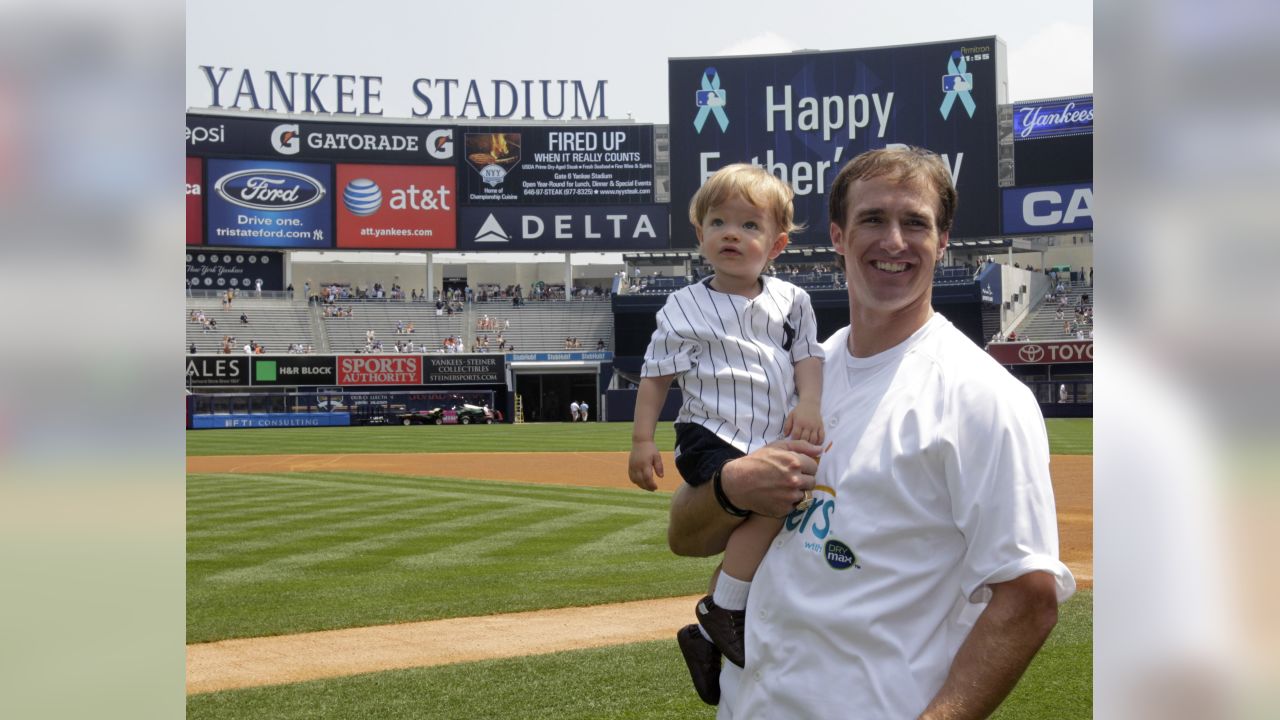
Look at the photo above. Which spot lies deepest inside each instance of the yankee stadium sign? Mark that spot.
(445, 98)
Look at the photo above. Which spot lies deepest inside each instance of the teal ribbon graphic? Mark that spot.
(711, 81)
(966, 98)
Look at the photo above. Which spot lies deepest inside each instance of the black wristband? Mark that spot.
(723, 499)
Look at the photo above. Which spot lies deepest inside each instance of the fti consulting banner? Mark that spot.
(1051, 209)
(571, 165)
(396, 207)
(195, 201)
(803, 116)
(563, 228)
(264, 203)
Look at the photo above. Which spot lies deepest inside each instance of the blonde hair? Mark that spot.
(759, 187)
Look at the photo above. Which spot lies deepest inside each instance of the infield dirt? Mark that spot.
(243, 663)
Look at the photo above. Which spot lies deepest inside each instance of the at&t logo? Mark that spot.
(362, 197)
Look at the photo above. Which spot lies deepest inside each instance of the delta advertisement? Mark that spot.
(803, 116)
(217, 136)
(581, 227)
(396, 207)
(571, 165)
(265, 203)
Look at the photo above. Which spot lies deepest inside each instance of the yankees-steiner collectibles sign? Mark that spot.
(1042, 353)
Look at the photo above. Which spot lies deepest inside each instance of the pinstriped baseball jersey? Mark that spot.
(735, 357)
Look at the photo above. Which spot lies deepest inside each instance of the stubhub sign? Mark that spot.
(1050, 209)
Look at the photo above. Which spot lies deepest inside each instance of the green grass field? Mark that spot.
(641, 681)
(1066, 437)
(284, 553)
(275, 554)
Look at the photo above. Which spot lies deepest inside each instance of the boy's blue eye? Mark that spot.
(750, 225)
(715, 222)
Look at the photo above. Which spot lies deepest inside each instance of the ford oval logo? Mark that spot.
(270, 189)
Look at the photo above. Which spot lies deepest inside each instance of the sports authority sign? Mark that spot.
(1042, 353)
(379, 370)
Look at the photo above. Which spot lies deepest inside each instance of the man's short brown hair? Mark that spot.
(899, 164)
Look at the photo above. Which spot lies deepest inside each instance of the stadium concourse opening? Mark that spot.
(545, 395)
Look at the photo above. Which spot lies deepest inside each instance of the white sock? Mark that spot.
(731, 593)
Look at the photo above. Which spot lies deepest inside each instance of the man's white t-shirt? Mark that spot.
(935, 485)
(735, 357)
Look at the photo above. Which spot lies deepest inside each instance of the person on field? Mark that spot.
(743, 345)
(924, 576)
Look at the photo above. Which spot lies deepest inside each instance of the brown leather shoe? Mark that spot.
(726, 628)
(703, 660)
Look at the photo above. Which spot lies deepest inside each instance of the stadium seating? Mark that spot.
(347, 334)
(1042, 323)
(274, 324)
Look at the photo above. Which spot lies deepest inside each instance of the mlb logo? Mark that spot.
(957, 83)
(710, 98)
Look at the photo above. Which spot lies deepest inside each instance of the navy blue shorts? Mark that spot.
(700, 453)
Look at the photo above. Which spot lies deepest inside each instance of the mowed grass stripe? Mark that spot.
(641, 681)
(528, 437)
(1067, 436)
(303, 532)
(1070, 436)
(424, 548)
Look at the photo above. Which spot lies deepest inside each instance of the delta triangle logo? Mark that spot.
(491, 231)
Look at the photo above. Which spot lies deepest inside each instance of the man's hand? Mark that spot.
(771, 480)
(805, 423)
(645, 462)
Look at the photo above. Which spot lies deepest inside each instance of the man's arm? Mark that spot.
(769, 481)
(1005, 638)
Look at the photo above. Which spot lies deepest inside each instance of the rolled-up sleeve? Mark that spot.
(1002, 497)
(672, 349)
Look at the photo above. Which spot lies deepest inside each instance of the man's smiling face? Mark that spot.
(890, 243)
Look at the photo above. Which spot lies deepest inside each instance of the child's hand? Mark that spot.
(645, 462)
(805, 423)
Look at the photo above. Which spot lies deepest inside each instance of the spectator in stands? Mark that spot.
(369, 335)
(599, 344)
(568, 344)
(502, 342)
(248, 348)
(408, 328)
(399, 327)
(193, 348)
(213, 323)
(257, 288)
(244, 319)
